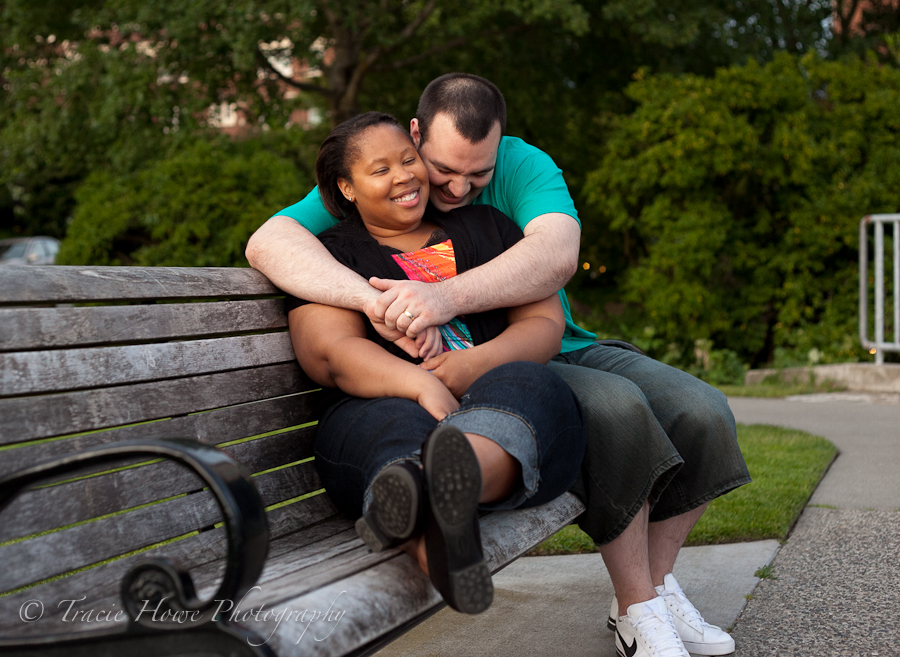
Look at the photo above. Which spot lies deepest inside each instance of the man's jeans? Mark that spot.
(523, 407)
(653, 432)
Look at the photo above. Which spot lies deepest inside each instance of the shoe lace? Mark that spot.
(660, 633)
(691, 615)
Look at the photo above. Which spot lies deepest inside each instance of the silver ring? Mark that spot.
(409, 314)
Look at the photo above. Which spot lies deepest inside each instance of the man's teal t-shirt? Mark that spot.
(526, 184)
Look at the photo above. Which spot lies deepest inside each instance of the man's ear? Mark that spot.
(346, 188)
(414, 132)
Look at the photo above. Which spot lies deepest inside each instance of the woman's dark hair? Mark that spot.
(473, 103)
(337, 155)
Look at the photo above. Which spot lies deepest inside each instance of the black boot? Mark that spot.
(452, 538)
(397, 510)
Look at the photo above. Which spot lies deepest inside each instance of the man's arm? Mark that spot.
(536, 267)
(297, 262)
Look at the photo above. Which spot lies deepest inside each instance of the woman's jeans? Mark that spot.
(653, 433)
(523, 407)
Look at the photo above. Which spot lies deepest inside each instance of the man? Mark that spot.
(661, 444)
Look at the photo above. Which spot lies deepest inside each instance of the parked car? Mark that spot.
(28, 251)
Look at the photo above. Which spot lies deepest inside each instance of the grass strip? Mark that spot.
(772, 389)
(786, 465)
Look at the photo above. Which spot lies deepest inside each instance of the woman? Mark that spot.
(418, 448)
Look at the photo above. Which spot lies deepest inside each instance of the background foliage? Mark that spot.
(106, 139)
(744, 193)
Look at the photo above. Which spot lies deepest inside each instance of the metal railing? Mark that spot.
(878, 345)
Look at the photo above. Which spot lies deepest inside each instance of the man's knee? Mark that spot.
(705, 410)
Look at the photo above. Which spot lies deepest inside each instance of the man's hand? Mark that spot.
(456, 369)
(424, 301)
(426, 345)
(437, 400)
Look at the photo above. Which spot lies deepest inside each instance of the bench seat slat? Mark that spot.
(204, 552)
(35, 372)
(70, 412)
(376, 592)
(48, 328)
(395, 591)
(72, 284)
(53, 554)
(35, 511)
(212, 428)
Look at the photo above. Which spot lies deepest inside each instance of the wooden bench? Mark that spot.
(99, 367)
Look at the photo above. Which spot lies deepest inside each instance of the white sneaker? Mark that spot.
(699, 637)
(648, 630)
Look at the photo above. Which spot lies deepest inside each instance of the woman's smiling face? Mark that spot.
(389, 181)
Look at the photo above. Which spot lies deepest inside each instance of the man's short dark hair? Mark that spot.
(473, 103)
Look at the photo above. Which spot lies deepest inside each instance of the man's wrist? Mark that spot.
(451, 293)
(363, 297)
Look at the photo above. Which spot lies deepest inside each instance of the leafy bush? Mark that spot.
(196, 208)
(745, 193)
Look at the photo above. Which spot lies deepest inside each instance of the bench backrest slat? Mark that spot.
(32, 372)
(44, 328)
(66, 503)
(26, 562)
(87, 410)
(212, 428)
(81, 284)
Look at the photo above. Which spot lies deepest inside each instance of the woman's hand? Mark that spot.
(437, 400)
(457, 369)
(429, 342)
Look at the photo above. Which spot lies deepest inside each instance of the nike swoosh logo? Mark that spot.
(629, 650)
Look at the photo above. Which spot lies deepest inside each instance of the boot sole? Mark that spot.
(452, 539)
(391, 517)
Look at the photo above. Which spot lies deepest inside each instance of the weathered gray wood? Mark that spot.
(377, 599)
(34, 372)
(58, 284)
(372, 593)
(212, 428)
(294, 526)
(234, 385)
(330, 550)
(57, 506)
(60, 552)
(353, 612)
(47, 328)
(29, 418)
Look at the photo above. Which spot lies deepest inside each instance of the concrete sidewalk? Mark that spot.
(838, 564)
(559, 605)
(838, 577)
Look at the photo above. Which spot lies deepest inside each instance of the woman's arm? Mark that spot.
(332, 348)
(534, 333)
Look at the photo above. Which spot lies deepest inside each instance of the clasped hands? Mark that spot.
(408, 314)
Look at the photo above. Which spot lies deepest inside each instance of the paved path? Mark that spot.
(838, 585)
(866, 430)
(557, 606)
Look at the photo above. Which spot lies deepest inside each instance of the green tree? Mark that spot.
(743, 193)
(113, 85)
(196, 208)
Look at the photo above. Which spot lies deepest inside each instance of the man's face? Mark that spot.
(457, 169)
